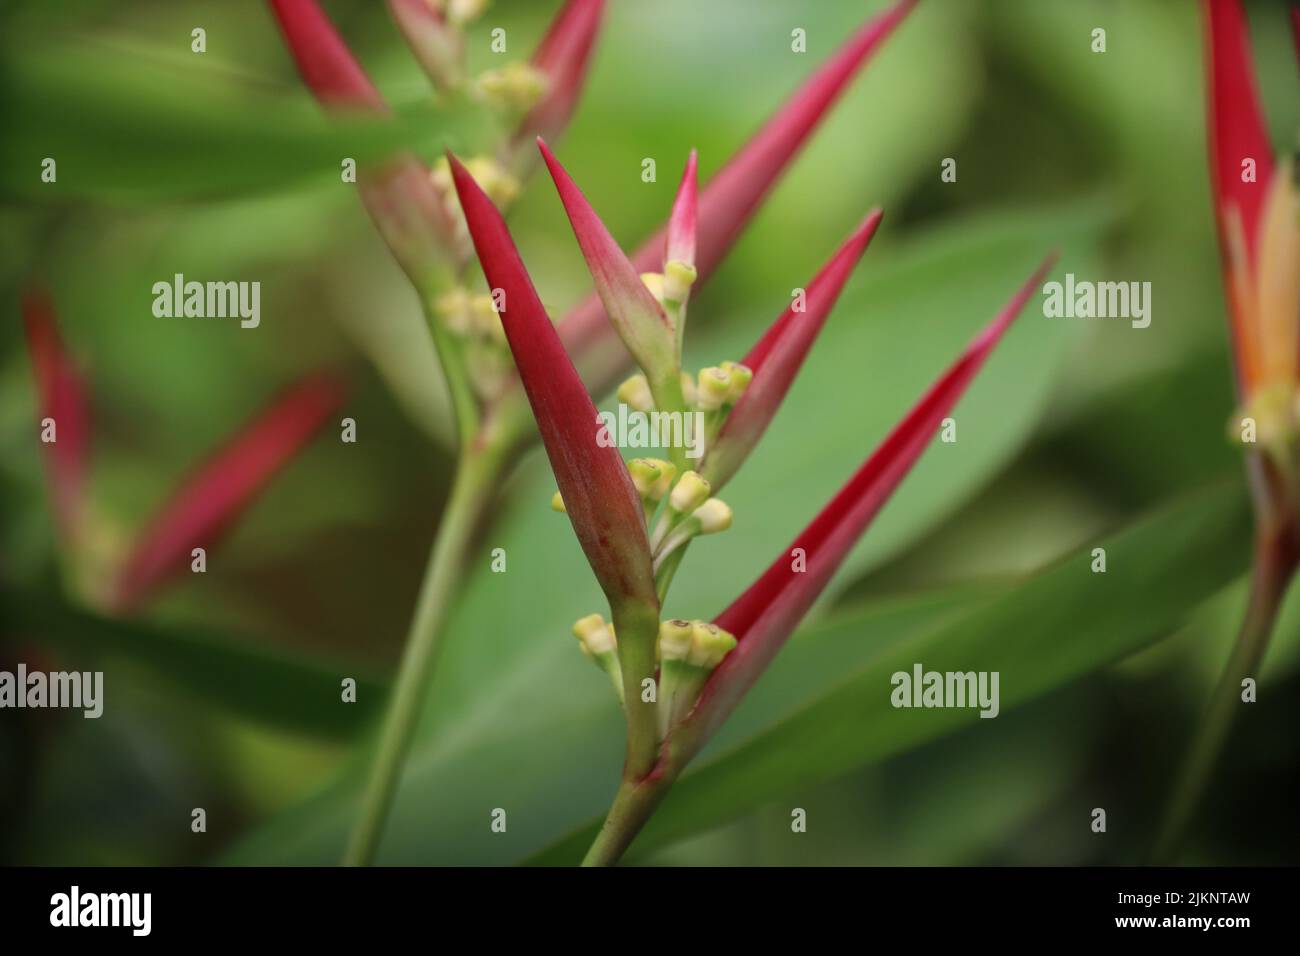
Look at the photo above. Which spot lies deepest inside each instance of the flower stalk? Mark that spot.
(1257, 206)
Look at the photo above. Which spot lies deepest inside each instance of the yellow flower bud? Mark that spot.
(678, 278)
(714, 389)
(713, 516)
(594, 634)
(635, 393)
(709, 645)
(689, 493)
(675, 638)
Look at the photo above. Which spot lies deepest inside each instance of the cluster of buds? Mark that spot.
(687, 652)
(684, 507)
(512, 89)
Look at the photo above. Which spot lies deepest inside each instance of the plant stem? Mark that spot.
(632, 807)
(1275, 562)
(473, 487)
(637, 626)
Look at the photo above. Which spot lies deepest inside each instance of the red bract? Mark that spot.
(562, 57)
(632, 309)
(764, 615)
(62, 398)
(679, 245)
(324, 60)
(399, 195)
(731, 197)
(1257, 246)
(776, 358)
(600, 499)
(208, 503)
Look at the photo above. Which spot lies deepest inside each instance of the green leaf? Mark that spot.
(1063, 623)
(122, 125)
(507, 655)
(286, 692)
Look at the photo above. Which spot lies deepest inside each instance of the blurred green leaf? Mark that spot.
(290, 693)
(122, 126)
(1062, 624)
(507, 651)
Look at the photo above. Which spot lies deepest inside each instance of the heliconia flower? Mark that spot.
(437, 45)
(775, 359)
(63, 401)
(634, 312)
(562, 58)
(1259, 236)
(729, 199)
(598, 494)
(398, 194)
(222, 488)
(763, 617)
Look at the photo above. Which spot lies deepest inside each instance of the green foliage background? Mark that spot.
(1079, 434)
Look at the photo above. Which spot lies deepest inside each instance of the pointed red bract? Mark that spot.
(599, 497)
(763, 617)
(1236, 126)
(563, 57)
(680, 243)
(324, 60)
(220, 491)
(729, 200)
(776, 358)
(62, 398)
(632, 309)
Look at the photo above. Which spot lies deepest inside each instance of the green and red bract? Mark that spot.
(208, 503)
(562, 57)
(777, 356)
(632, 309)
(764, 616)
(600, 499)
(63, 400)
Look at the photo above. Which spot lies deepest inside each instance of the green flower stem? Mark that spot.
(455, 370)
(637, 626)
(1275, 563)
(667, 569)
(635, 802)
(478, 472)
(668, 396)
